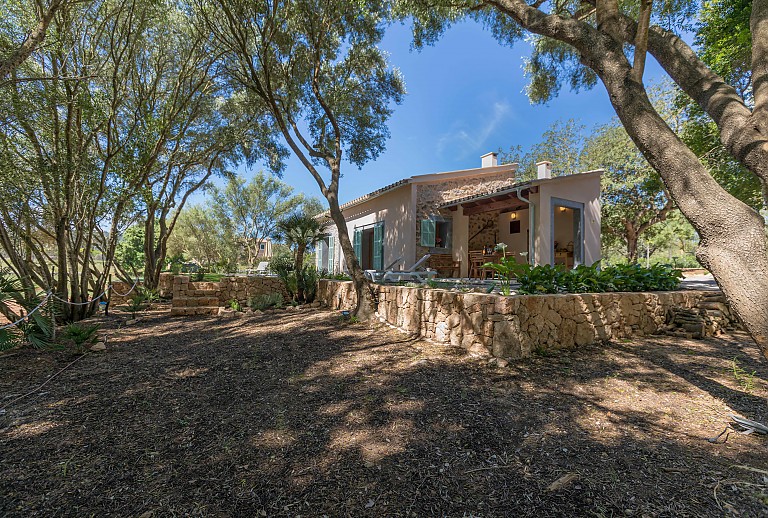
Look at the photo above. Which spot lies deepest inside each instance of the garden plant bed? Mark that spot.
(296, 413)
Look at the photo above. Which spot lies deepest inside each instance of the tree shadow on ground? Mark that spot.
(299, 414)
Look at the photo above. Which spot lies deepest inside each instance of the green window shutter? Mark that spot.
(319, 256)
(331, 254)
(427, 232)
(378, 246)
(357, 244)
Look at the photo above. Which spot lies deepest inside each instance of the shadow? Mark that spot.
(295, 413)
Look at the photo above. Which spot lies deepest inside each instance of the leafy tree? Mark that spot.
(314, 70)
(129, 253)
(201, 235)
(300, 232)
(579, 43)
(560, 144)
(250, 210)
(633, 198)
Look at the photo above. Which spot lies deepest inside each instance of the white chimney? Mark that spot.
(490, 159)
(543, 170)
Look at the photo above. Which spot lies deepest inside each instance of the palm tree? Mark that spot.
(301, 232)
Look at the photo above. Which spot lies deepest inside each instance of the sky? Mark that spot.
(465, 97)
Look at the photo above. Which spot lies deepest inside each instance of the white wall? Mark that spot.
(583, 188)
(395, 208)
(516, 243)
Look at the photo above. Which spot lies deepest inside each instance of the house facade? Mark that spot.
(554, 220)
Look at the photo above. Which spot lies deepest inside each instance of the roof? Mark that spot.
(424, 178)
(514, 187)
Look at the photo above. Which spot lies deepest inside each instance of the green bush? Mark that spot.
(593, 279)
(266, 301)
(79, 334)
(135, 304)
(307, 280)
(234, 304)
(37, 330)
(325, 274)
(538, 279)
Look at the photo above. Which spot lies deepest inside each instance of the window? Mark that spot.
(262, 246)
(514, 227)
(436, 233)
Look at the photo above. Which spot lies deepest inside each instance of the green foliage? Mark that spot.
(540, 279)
(79, 334)
(175, 262)
(548, 279)
(135, 304)
(325, 274)
(129, 253)
(235, 305)
(200, 235)
(744, 378)
(249, 211)
(266, 301)
(307, 279)
(36, 330)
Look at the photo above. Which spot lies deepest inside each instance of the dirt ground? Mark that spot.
(299, 414)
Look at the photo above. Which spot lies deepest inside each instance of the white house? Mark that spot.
(551, 219)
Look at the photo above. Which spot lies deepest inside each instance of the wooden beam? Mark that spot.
(512, 204)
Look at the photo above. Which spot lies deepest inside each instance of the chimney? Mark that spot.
(543, 170)
(490, 159)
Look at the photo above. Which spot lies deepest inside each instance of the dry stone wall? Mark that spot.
(514, 327)
(198, 298)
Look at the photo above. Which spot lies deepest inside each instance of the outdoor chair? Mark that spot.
(476, 261)
(376, 275)
(261, 269)
(411, 274)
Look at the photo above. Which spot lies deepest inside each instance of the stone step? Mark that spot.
(195, 311)
(187, 302)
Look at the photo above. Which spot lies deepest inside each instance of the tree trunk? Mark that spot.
(632, 238)
(734, 244)
(364, 310)
(297, 267)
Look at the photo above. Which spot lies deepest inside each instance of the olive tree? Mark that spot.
(581, 42)
(314, 70)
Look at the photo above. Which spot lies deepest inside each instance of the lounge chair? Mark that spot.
(411, 274)
(376, 275)
(261, 269)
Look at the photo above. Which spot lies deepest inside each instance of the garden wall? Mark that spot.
(192, 298)
(514, 327)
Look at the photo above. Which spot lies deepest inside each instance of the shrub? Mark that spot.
(325, 274)
(136, 304)
(37, 330)
(306, 279)
(593, 279)
(235, 305)
(266, 301)
(80, 334)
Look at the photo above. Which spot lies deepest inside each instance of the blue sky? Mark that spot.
(465, 98)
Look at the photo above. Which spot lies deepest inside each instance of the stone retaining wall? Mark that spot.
(514, 327)
(189, 293)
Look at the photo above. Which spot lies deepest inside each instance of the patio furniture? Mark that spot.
(476, 261)
(445, 265)
(411, 274)
(261, 269)
(376, 275)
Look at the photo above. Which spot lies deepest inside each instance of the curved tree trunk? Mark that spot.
(734, 244)
(364, 310)
(297, 267)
